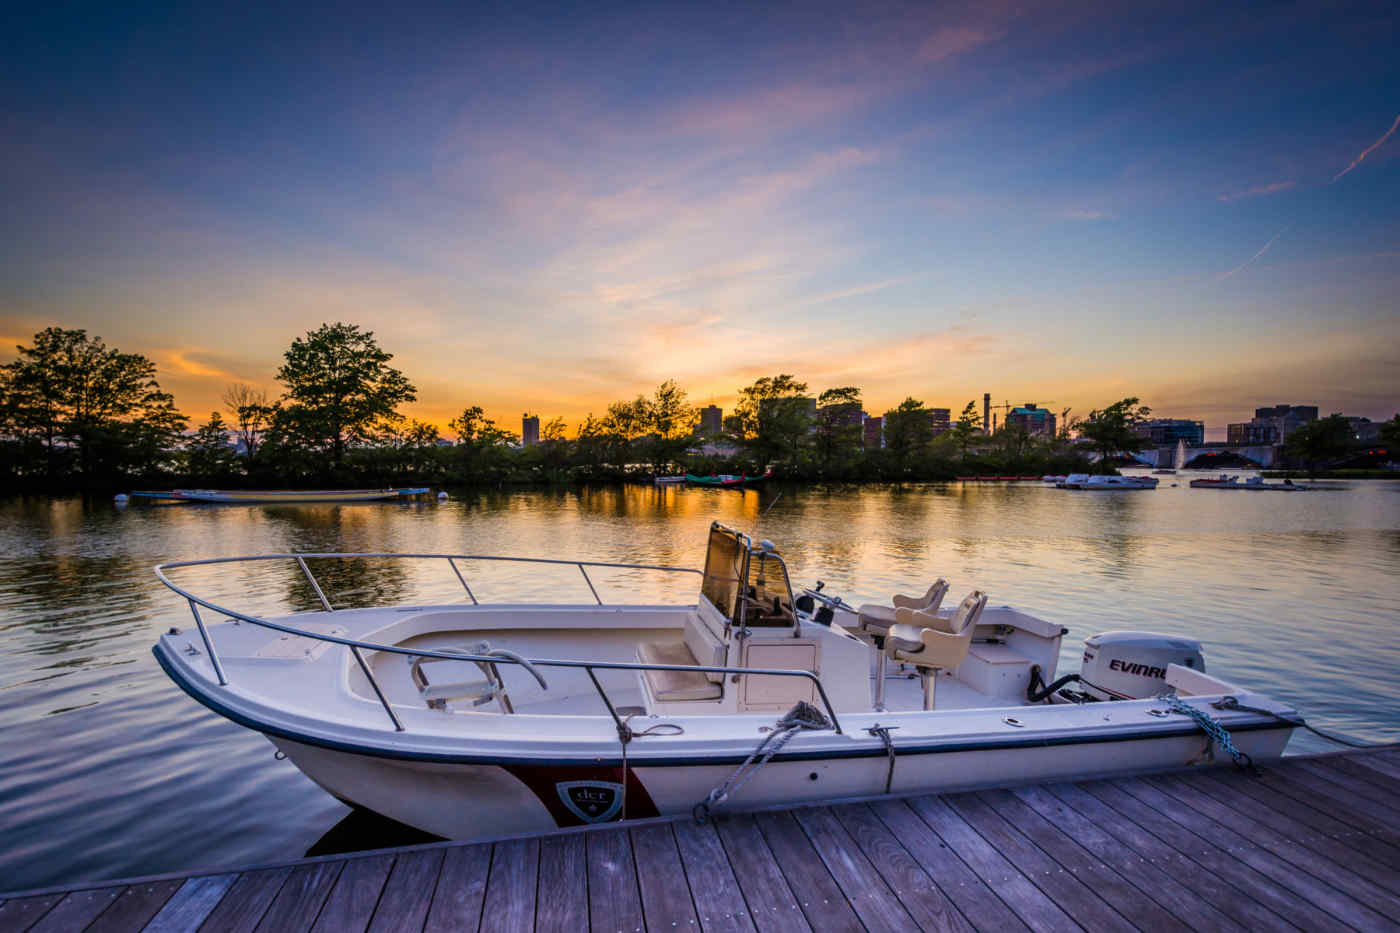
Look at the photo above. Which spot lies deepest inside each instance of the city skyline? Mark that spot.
(1058, 203)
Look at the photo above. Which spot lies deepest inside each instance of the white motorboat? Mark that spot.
(471, 720)
(1252, 483)
(1106, 483)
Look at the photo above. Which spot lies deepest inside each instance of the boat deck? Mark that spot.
(1313, 843)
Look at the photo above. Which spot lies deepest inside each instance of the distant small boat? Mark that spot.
(1253, 483)
(727, 480)
(1106, 483)
(668, 480)
(263, 496)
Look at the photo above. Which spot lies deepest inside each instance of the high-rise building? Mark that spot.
(942, 419)
(986, 413)
(711, 420)
(1033, 419)
(874, 432)
(1271, 425)
(529, 429)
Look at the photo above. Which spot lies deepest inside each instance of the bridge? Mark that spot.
(1264, 455)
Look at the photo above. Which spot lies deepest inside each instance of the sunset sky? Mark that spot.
(547, 210)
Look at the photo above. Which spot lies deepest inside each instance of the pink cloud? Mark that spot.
(1369, 149)
(952, 41)
(1258, 191)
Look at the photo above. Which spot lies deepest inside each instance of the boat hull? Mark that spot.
(477, 801)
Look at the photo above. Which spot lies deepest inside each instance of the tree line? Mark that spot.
(76, 414)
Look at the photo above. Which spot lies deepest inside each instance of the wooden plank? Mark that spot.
(1073, 896)
(1063, 850)
(1381, 764)
(770, 901)
(1031, 904)
(354, 895)
(718, 899)
(1336, 772)
(1354, 765)
(299, 901)
(461, 890)
(130, 912)
(1372, 816)
(666, 901)
(1211, 888)
(189, 906)
(403, 904)
(1289, 824)
(512, 886)
(1175, 898)
(823, 904)
(920, 895)
(978, 903)
(246, 902)
(1308, 792)
(77, 909)
(614, 901)
(21, 913)
(564, 879)
(1318, 855)
(1311, 811)
(1250, 882)
(874, 903)
(1269, 854)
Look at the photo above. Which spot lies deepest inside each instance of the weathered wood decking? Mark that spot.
(1314, 844)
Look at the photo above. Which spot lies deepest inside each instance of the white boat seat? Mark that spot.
(876, 620)
(672, 686)
(932, 649)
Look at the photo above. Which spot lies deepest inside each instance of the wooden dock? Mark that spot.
(1312, 844)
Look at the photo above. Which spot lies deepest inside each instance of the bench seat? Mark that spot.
(671, 686)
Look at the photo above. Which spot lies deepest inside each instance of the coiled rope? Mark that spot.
(804, 716)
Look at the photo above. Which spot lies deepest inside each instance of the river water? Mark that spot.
(108, 770)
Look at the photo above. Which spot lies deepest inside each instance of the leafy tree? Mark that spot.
(70, 393)
(340, 388)
(908, 430)
(1390, 435)
(251, 413)
(773, 417)
(208, 456)
(553, 431)
(482, 447)
(839, 428)
(966, 427)
(670, 422)
(1319, 441)
(1113, 430)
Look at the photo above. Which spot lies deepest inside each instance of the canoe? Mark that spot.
(726, 480)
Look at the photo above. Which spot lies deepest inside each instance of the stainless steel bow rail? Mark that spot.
(356, 646)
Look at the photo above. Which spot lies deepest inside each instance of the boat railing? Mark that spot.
(357, 647)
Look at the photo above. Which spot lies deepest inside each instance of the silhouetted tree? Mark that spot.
(1113, 430)
(966, 427)
(1319, 441)
(340, 389)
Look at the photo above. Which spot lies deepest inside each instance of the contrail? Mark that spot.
(1254, 257)
(1369, 149)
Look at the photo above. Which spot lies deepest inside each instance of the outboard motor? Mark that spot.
(1133, 665)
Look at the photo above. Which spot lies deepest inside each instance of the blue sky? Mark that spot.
(548, 208)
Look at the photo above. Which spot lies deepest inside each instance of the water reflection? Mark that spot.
(107, 766)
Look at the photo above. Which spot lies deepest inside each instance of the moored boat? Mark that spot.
(1253, 484)
(727, 480)
(1106, 483)
(263, 496)
(474, 720)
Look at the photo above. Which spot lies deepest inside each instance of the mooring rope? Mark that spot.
(801, 717)
(1216, 734)
(884, 733)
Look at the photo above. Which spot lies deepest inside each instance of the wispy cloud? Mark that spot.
(183, 362)
(1251, 259)
(1079, 214)
(853, 292)
(953, 41)
(1369, 149)
(1258, 191)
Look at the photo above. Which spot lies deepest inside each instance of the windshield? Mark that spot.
(724, 569)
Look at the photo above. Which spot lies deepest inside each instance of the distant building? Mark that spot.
(986, 413)
(942, 420)
(1364, 429)
(874, 434)
(1271, 425)
(841, 416)
(711, 420)
(1034, 420)
(530, 429)
(808, 406)
(1165, 432)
